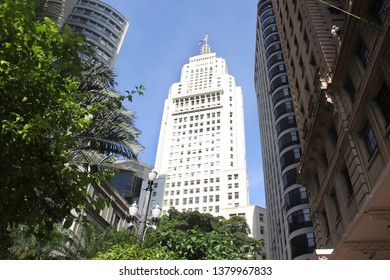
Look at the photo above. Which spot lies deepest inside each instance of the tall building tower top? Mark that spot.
(205, 49)
(201, 157)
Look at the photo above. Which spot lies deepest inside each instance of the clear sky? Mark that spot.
(162, 36)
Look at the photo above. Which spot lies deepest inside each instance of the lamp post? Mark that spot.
(142, 224)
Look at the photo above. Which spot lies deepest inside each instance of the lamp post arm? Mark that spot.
(132, 225)
(142, 224)
(153, 227)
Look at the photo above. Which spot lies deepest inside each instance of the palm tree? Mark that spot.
(111, 132)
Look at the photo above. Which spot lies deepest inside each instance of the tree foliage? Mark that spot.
(40, 113)
(180, 236)
(195, 236)
(52, 107)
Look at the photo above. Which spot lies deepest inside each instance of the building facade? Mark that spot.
(128, 181)
(338, 69)
(201, 156)
(103, 26)
(290, 229)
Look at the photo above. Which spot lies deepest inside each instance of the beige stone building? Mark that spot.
(338, 62)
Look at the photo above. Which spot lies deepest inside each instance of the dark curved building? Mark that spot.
(290, 228)
(103, 26)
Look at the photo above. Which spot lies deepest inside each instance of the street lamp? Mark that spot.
(141, 226)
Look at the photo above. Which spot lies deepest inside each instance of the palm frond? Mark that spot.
(108, 148)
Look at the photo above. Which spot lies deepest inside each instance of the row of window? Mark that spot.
(98, 6)
(185, 102)
(191, 200)
(193, 174)
(196, 182)
(205, 209)
(196, 199)
(197, 117)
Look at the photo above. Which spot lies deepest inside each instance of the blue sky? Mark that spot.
(162, 36)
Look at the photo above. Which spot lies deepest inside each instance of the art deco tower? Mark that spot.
(201, 157)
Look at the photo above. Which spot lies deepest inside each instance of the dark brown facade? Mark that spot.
(338, 60)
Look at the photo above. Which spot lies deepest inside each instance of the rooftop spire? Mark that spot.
(205, 46)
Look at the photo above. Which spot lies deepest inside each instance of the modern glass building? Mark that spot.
(128, 181)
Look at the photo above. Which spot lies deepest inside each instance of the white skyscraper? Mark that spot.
(201, 157)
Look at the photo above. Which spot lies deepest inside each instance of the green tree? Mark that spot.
(195, 236)
(135, 252)
(187, 235)
(52, 106)
(26, 246)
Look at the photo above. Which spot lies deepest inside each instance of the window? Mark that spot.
(351, 91)
(280, 94)
(306, 39)
(302, 244)
(275, 70)
(299, 219)
(370, 140)
(289, 178)
(381, 11)
(285, 123)
(296, 197)
(273, 48)
(261, 217)
(335, 204)
(279, 81)
(290, 157)
(271, 39)
(383, 101)
(274, 58)
(325, 223)
(347, 178)
(288, 139)
(283, 108)
(364, 55)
